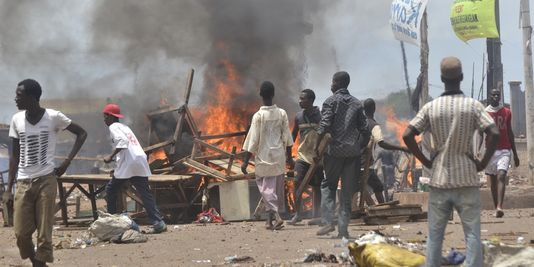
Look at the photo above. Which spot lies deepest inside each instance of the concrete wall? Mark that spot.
(517, 105)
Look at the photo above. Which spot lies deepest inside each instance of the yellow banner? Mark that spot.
(471, 19)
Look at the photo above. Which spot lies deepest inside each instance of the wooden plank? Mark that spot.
(225, 135)
(364, 193)
(177, 136)
(229, 168)
(189, 85)
(204, 169)
(240, 177)
(157, 146)
(395, 212)
(389, 203)
(210, 157)
(400, 206)
(212, 147)
(104, 178)
(313, 167)
(191, 121)
(234, 168)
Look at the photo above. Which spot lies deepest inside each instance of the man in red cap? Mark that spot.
(131, 166)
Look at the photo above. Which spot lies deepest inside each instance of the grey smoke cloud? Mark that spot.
(263, 40)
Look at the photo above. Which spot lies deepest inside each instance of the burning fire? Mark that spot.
(158, 155)
(398, 126)
(223, 114)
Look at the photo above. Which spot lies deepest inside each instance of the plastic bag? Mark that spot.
(384, 255)
(108, 226)
(210, 216)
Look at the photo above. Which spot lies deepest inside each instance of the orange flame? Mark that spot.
(398, 126)
(221, 116)
(158, 154)
(307, 202)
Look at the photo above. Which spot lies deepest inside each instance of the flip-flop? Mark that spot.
(279, 225)
(499, 214)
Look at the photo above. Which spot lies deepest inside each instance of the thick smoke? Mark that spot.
(263, 40)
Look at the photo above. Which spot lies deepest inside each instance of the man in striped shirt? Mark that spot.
(452, 119)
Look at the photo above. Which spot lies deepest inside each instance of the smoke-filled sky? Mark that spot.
(96, 48)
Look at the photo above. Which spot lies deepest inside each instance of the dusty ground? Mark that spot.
(206, 245)
(187, 245)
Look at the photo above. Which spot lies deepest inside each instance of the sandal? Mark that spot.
(279, 225)
(499, 214)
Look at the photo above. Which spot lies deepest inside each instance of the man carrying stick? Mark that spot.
(306, 124)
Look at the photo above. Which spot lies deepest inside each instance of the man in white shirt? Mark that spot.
(33, 132)
(269, 139)
(131, 166)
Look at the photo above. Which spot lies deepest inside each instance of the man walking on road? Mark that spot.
(451, 120)
(131, 166)
(342, 117)
(500, 162)
(270, 141)
(33, 132)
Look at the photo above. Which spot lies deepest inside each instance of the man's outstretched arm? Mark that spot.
(81, 135)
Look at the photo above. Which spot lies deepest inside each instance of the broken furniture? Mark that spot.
(96, 183)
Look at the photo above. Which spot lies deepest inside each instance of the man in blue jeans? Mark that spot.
(131, 166)
(451, 120)
(343, 117)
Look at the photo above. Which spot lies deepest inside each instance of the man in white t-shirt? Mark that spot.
(270, 141)
(131, 166)
(33, 132)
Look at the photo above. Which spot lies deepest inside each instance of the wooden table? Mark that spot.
(97, 183)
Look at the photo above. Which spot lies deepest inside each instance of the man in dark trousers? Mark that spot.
(34, 132)
(305, 126)
(343, 117)
(131, 166)
(452, 120)
(377, 138)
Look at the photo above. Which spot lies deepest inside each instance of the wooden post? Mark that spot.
(313, 167)
(183, 113)
(529, 86)
(231, 161)
(495, 72)
(405, 67)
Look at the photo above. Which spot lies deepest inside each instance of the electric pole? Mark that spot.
(529, 87)
(493, 46)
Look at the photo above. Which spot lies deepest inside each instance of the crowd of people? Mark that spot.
(451, 121)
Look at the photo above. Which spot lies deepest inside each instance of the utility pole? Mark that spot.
(423, 97)
(529, 87)
(405, 66)
(493, 45)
